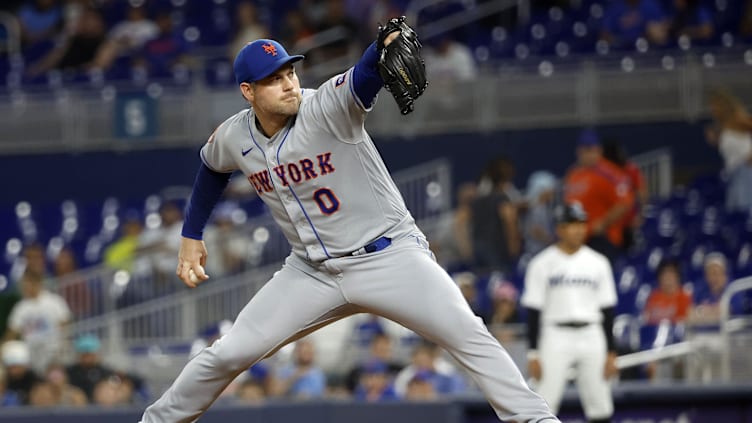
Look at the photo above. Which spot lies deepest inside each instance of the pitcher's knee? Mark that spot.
(465, 332)
(231, 359)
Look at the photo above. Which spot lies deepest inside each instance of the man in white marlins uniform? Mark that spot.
(355, 246)
(570, 297)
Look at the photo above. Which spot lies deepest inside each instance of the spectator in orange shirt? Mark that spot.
(668, 300)
(614, 152)
(604, 192)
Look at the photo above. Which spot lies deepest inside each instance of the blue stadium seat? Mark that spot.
(660, 335)
(629, 279)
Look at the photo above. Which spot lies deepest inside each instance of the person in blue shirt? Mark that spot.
(375, 385)
(691, 19)
(627, 20)
(707, 294)
(302, 379)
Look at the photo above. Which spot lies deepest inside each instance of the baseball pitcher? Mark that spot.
(355, 246)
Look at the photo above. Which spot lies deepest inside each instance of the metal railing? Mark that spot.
(522, 95)
(731, 326)
(657, 168)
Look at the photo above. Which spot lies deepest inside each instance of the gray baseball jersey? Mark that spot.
(321, 176)
(329, 190)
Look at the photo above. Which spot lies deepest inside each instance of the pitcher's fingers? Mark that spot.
(200, 272)
(185, 274)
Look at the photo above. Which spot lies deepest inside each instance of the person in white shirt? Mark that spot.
(39, 320)
(732, 134)
(570, 296)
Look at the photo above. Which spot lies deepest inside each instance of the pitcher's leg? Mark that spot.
(416, 292)
(290, 302)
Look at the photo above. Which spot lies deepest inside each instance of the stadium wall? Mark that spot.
(136, 173)
(637, 404)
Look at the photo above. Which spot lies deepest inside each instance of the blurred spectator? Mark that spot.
(504, 296)
(732, 134)
(248, 26)
(375, 12)
(166, 53)
(495, 231)
(342, 28)
(161, 245)
(454, 246)
(38, 319)
(614, 152)
(56, 391)
(501, 170)
(380, 350)
(43, 395)
(35, 262)
(690, 18)
(40, 20)
(121, 253)
(7, 398)
(251, 391)
(625, 21)
(537, 226)
(707, 294)
(426, 357)
(77, 46)
(375, 385)
(467, 283)
(302, 379)
(604, 191)
(126, 38)
(668, 301)
(87, 371)
(745, 24)
(230, 247)
(295, 28)
(113, 391)
(366, 330)
(71, 285)
(420, 387)
(448, 60)
(20, 378)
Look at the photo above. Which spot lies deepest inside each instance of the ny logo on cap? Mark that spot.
(270, 49)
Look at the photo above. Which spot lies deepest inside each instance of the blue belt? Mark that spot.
(374, 246)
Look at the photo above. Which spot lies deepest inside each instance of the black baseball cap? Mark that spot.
(570, 213)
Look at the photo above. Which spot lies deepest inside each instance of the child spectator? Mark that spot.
(668, 300)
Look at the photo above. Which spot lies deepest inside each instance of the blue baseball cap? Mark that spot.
(589, 138)
(374, 366)
(258, 59)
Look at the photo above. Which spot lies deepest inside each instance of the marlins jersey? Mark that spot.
(569, 288)
(321, 175)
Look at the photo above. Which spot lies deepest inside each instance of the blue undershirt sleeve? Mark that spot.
(207, 188)
(366, 79)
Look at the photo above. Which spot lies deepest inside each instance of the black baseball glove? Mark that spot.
(400, 64)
